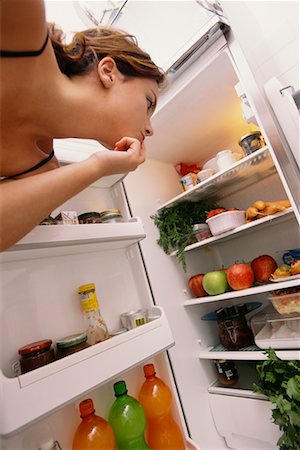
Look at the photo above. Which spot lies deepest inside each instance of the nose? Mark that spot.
(149, 130)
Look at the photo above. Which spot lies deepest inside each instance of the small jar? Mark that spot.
(90, 217)
(225, 159)
(36, 354)
(227, 373)
(234, 332)
(111, 216)
(252, 142)
(71, 344)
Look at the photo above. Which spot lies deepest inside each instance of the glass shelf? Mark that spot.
(252, 353)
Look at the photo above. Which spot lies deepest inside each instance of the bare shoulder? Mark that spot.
(22, 24)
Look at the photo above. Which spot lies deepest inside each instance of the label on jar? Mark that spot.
(91, 303)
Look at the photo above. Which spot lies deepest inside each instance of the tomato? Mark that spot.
(263, 266)
(214, 212)
(240, 276)
(195, 285)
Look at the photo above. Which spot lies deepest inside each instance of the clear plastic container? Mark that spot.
(226, 221)
(286, 301)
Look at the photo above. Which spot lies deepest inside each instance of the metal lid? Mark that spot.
(72, 340)
(86, 287)
(254, 133)
(35, 347)
(109, 212)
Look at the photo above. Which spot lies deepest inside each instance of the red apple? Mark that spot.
(195, 285)
(263, 266)
(240, 276)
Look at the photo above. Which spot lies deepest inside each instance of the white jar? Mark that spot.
(225, 159)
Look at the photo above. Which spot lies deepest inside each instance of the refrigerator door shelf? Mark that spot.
(243, 292)
(36, 393)
(47, 240)
(245, 172)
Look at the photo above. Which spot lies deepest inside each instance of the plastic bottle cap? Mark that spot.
(86, 287)
(86, 407)
(120, 388)
(149, 370)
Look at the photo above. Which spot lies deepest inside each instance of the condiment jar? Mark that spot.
(252, 142)
(36, 354)
(234, 332)
(225, 159)
(71, 344)
(111, 216)
(227, 373)
(96, 328)
(90, 217)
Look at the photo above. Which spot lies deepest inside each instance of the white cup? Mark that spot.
(225, 159)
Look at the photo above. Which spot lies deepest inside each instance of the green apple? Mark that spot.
(215, 282)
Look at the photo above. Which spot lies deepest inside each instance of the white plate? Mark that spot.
(291, 277)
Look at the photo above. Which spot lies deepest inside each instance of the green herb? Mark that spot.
(175, 224)
(280, 382)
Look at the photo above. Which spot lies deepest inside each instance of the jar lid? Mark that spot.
(86, 287)
(88, 215)
(254, 133)
(110, 212)
(72, 340)
(35, 347)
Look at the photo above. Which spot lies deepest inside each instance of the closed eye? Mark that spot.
(150, 103)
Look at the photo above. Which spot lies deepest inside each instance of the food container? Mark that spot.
(71, 344)
(226, 221)
(111, 216)
(225, 159)
(227, 373)
(252, 142)
(274, 330)
(36, 354)
(90, 217)
(204, 174)
(234, 332)
(286, 301)
(201, 231)
(134, 318)
(189, 181)
(212, 164)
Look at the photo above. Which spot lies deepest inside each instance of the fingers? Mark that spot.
(126, 143)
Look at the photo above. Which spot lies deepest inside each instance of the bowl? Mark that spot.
(211, 164)
(226, 221)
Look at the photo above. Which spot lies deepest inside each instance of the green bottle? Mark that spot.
(128, 420)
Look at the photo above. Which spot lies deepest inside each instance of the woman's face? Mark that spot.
(130, 104)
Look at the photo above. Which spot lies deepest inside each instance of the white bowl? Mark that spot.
(226, 221)
(211, 164)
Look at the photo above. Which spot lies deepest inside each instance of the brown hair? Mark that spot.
(90, 46)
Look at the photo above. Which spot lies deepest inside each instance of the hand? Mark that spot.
(127, 155)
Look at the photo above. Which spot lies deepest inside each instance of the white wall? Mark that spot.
(268, 33)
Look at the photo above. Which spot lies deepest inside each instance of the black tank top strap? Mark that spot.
(26, 53)
(37, 166)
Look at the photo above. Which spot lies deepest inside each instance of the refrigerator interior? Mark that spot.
(199, 116)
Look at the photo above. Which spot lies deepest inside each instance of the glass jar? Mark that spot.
(234, 332)
(71, 344)
(96, 328)
(111, 216)
(227, 373)
(36, 354)
(252, 142)
(90, 217)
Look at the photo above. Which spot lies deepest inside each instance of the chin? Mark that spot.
(107, 146)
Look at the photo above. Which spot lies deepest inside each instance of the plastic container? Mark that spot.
(156, 399)
(211, 164)
(225, 159)
(275, 330)
(226, 221)
(286, 301)
(189, 181)
(128, 420)
(96, 326)
(71, 344)
(252, 142)
(35, 355)
(93, 432)
(204, 174)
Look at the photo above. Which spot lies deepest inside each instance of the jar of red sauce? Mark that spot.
(36, 354)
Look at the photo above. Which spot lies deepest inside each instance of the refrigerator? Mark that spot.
(199, 115)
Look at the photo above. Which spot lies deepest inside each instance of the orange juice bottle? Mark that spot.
(156, 398)
(93, 433)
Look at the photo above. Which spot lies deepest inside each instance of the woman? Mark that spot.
(102, 86)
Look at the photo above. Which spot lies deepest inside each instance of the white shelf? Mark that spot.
(25, 398)
(48, 240)
(243, 173)
(234, 391)
(246, 228)
(243, 292)
(252, 353)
